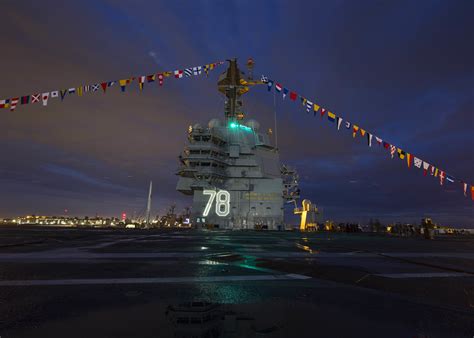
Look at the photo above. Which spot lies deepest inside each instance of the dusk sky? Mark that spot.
(403, 70)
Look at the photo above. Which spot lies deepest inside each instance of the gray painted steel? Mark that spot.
(236, 157)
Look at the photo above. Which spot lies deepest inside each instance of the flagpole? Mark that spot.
(275, 113)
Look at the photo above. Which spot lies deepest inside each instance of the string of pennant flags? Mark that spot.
(412, 160)
(44, 97)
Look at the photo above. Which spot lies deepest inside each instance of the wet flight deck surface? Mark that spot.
(117, 283)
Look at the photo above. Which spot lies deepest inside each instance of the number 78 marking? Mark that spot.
(222, 202)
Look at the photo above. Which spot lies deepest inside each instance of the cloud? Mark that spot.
(81, 177)
(403, 70)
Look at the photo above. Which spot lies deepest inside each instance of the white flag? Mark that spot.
(417, 162)
(45, 97)
(339, 122)
(197, 70)
(54, 94)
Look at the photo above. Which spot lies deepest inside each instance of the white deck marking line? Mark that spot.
(152, 280)
(424, 275)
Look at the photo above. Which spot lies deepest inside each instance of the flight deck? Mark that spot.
(170, 283)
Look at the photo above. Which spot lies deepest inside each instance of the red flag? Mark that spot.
(293, 96)
(472, 192)
(104, 86)
(150, 78)
(322, 112)
(426, 167)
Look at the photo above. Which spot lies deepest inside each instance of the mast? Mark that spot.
(231, 86)
(148, 205)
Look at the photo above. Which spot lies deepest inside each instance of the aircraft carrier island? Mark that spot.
(232, 169)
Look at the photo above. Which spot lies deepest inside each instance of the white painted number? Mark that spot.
(222, 202)
(212, 195)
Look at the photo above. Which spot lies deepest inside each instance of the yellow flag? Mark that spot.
(331, 116)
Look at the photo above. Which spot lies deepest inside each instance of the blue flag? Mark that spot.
(269, 85)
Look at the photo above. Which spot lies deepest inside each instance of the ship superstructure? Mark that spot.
(233, 170)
